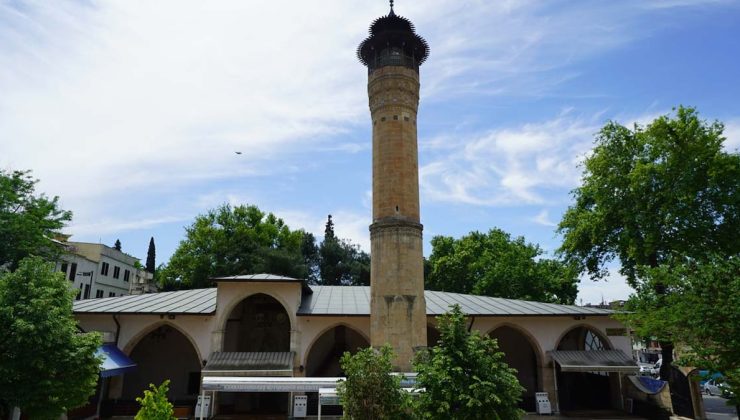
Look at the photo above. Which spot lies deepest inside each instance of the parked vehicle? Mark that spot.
(716, 387)
(655, 370)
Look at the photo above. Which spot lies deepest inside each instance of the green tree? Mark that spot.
(370, 391)
(494, 264)
(28, 221)
(700, 313)
(154, 404)
(654, 196)
(464, 376)
(234, 240)
(151, 256)
(46, 365)
(340, 262)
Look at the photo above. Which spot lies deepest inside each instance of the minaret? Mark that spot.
(393, 53)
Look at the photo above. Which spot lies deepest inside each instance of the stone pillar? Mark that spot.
(397, 306)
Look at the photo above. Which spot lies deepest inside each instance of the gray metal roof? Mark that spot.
(594, 361)
(330, 300)
(257, 278)
(196, 301)
(249, 361)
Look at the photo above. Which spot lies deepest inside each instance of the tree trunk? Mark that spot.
(666, 350)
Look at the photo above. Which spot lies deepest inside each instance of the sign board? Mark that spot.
(300, 406)
(612, 332)
(206, 401)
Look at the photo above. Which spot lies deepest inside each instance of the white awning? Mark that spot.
(266, 384)
(594, 361)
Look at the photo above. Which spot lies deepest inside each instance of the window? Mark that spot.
(126, 275)
(104, 268)
(99, 294)
(79, 293)
(64, 268)
(86, 295)
(116, 272)
(111, 294)
(73, 271)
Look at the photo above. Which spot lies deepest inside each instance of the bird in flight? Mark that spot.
(238, 153)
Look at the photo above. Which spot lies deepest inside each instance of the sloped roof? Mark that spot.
(594, 361)
(249, 361)
(196, 301)
(330, 300)
(257, 278)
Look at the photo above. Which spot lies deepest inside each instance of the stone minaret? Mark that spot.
(392, 54)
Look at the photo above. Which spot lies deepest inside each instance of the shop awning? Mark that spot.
(594, 361)
(266, 384)
(115, 362)
(227, 363)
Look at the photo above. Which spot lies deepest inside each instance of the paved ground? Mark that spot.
(717, 409)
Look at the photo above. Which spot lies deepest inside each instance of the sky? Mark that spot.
(132, 111)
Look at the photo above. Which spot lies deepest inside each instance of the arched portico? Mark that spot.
(322, 357)
(163, 352)
(432, 335)
(521, 352)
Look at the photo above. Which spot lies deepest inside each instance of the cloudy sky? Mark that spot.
(132, 111)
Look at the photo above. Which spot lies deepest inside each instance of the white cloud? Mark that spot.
(613, 287)
(732, 135)
(543, 218)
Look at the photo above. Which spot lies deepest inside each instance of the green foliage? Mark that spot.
(46, 365)
(370, 391)
(27, 221)
(234, 240)
(465, 377)
(339, 262)
(701, 311)
(151, 256)
(494, 264)
(155, 405)
(652, 195)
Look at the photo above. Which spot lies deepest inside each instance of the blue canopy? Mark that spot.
(115, 362)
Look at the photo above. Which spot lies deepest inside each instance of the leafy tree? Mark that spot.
(340, 262)
(494, 264)
(464, 376)
(699, 312)
(151, 256)
(46, 365)
(154, 404)
(27, 221)
(117, 245)
(654, 196)
(370, 391)
(234, 240)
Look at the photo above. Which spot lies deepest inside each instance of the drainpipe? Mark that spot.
(118, 328)
(472, 320)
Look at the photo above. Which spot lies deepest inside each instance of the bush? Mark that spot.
(370, 391)
(155, 405)
(464, 376)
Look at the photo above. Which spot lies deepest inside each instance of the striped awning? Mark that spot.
(270, 363)
(594, 361)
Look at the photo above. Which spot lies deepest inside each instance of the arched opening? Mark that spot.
(520, 354)
(582, 391)
(432, 336)
(324, 356)
(259, 323)
(164, 353)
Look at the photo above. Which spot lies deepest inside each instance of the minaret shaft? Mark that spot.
(398, 309)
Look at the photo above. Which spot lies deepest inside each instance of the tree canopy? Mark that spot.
(654, 195)
(28, 221)
(340, 262)
(234, 240)
(464, 376)
(494, 264)
(46, 365)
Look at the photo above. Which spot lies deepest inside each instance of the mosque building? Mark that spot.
(262, 344)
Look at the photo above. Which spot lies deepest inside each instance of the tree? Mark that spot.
(370, 391)
(494, 264)
(28, 221)
(700, 313)
(154, 404)
(46, 365)
(654, 196)
(234, 240)
(151, 256)
(464, 375)
(340, 262)
(117, 245)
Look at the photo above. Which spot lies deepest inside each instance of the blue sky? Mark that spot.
(132, 112)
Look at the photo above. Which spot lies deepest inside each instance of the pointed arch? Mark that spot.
(331, 349)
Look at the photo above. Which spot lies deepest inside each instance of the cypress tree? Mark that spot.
(151, 256)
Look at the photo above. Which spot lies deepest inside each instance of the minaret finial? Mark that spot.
(391, 6)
